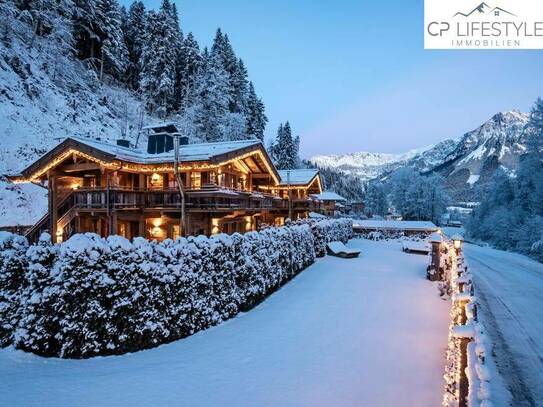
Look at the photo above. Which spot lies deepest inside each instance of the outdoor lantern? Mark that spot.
(457, 241)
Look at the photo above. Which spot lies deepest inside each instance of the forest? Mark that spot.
(206, 91)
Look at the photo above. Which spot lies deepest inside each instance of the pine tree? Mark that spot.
(223, 50)
(113, 49)
(256, 118)
(158, 59)
(135, 39)
(190, 62)
(211, 99)
(175, 17)
(240, 88)
(87, 34)
(285, 149)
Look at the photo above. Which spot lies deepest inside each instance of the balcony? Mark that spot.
(207, 198)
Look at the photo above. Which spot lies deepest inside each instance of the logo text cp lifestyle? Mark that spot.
(494, 24)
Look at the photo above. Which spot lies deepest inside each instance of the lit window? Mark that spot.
(196, 180)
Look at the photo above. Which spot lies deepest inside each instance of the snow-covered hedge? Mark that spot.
(328, 230)
(94, 296)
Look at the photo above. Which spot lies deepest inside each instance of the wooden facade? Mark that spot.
(107, 189)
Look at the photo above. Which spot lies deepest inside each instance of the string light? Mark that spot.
(147, 168)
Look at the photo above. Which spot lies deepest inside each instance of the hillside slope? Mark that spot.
(43, 100)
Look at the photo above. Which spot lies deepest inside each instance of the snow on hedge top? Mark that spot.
(328, 196)
(189, 152)
(301, 176)
(395, 224)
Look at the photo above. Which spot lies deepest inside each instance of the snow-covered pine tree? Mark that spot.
(256, 117)
(170, 9)
(158, 63)
(190, 62)
(240, 88)
(223, 51)
(285, 149)
(135, 39)
(211, 99)
(87, 33)
(114, 53)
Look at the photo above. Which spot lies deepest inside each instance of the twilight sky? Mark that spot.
(353, 76)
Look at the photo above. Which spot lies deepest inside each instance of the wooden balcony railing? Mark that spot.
(200, 199)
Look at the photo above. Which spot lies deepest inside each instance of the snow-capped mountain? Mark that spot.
(463, 162)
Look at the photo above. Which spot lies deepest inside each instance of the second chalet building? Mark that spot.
(109, 189)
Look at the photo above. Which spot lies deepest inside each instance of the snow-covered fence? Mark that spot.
(466, 372)
(328, 230)
(93, 296)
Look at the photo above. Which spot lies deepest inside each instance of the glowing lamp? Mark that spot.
(457, 241)
(59, 234)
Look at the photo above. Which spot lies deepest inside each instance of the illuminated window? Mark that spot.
(156, 181)
(195, 180)
(122, 229)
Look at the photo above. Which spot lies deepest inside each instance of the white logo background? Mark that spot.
(492, 24)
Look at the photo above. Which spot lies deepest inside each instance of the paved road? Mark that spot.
(510, 287)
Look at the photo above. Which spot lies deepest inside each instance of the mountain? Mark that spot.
(464, 162)
(482, 8)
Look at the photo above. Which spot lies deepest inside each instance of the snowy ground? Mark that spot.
(510, 288)
(346, 332)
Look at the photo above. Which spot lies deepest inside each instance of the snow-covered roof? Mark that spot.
(214, 153)
(189, 152)
(395, 224)
(328, 196)
(301, 176)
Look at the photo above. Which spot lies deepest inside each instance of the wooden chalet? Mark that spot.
(107, 189)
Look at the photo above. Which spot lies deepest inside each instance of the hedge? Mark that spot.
(92, 296)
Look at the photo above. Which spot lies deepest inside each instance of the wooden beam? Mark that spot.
(79, 167)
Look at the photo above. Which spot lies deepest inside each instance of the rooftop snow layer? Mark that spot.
(297, 177)
(328, 196)
(189, 152)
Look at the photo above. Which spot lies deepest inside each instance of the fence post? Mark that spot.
(433, 272)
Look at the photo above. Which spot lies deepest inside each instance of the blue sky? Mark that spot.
(352, 76)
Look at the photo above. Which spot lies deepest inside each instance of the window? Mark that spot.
(156, 181)
(195, 180)
(497, 12)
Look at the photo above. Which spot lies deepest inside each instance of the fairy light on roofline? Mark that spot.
(144, 168)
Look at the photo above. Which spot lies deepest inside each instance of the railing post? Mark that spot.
(433, 271)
